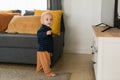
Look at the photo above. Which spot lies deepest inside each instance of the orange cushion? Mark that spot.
(5, 18)
(56, 19)
(24, 24)
(6, 11)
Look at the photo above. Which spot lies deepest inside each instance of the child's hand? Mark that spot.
(49, 32)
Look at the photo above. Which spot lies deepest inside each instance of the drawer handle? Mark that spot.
(94, 62)
(91, 46)
(93, 53)
(94, 48)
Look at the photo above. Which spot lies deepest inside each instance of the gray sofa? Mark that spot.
(22, 48)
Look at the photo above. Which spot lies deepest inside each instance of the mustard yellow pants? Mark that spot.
(43, 61)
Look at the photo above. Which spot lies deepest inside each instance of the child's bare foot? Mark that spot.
(51, 75)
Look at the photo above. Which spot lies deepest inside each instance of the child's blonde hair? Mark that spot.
(43, 14)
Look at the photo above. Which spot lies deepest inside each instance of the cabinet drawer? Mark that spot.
(94, 57)
(95, 41)
(94, 53)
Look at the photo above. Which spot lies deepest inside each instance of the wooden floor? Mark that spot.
(80, 65)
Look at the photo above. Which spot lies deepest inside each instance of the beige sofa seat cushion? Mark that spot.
(24, 24)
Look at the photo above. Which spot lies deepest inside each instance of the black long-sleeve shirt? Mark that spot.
(45, 41)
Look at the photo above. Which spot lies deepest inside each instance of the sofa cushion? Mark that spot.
(24, 24)
(5, 18)
(56, 19)
(6, 11)
(11, 11)
(17, 11)
(13, 40)
(29, 12)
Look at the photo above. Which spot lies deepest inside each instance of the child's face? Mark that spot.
(47, 20)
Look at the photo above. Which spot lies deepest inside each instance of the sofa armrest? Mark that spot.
(58, 46)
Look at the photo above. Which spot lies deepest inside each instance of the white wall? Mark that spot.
(79, 16)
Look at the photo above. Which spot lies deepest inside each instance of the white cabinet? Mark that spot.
(106, 53)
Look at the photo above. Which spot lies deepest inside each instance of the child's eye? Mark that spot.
(51, 19)
(46, 19)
